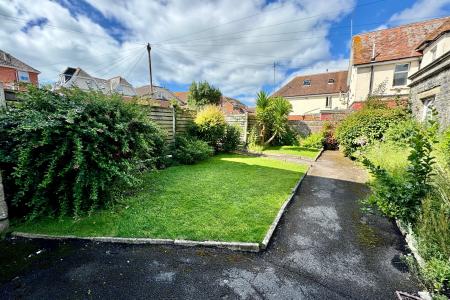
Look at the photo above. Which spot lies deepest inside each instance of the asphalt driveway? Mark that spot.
(324, 248)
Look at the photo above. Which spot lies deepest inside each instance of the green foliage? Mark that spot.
(211, 125)
(62, 152)
(202, 93)
(402, 132)
(232, 138)
(314, 140)
(401, 199)
(366, 126)
(272, 117)
(329, 139)
(253, 141)
(437, 273)
(189, 150)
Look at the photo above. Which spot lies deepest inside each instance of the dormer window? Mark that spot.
(307, 82)
(330, 81)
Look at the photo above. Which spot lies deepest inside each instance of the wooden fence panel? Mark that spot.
(240, 121)
(170, 120)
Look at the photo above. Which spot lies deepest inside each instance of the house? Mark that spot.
(229, 106)
(161, 96)
(316, 95)
(430, 86)
(381, 61)
(13, 72)
(77, 77)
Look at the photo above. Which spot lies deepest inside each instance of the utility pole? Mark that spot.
(150, 68)
(274, 66)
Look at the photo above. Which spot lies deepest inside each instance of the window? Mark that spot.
(23, 76)
(328, 102)
(428, 105)
(400, 74)
(330, 81)
(307, 82)
(433, 53)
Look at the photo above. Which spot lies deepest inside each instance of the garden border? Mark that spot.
(272, 155)
(239, 246)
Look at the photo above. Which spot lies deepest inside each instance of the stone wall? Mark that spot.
(438, 85)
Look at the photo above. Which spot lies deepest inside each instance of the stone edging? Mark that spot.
(240, 246)
(275, 222)
(319, 154)
(411, 242)
(273, 155)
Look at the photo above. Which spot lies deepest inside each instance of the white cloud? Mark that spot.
(421, 9)
(238, 63)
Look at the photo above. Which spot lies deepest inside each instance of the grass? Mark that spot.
(228, 197)
(292, 150)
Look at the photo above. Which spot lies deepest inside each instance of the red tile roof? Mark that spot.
(445, 27)
(182, 96)
(319, 85)
(393, 43)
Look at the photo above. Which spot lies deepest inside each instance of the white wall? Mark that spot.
(382, 72)
(314, 104)
(442, 46)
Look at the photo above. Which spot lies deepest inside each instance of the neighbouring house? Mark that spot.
(316, 96)
(14, 72)
(382, 61)
(161, 97)
(77, 77)
(430, 85)
(229, 106)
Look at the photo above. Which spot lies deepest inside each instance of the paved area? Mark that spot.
(324, 248)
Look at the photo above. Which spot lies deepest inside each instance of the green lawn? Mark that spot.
(229, 197)
(292, 150)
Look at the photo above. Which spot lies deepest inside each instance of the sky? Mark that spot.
(232, 44)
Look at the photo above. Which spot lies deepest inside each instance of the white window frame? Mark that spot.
(328, 101)
(428, 104)
(19, 73)
(400, 72)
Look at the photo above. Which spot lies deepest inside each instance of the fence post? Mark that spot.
(246, 127)
(174, 122)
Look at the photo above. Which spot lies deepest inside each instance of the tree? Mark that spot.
(272, 115)
(203, 93)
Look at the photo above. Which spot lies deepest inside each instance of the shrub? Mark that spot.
(253, 141)
(231, 139)
(366, 126)
(402, 132)
(189, 150)
(314, 140)
(203, 93)
(329, 138)
(402, 199)
(62, 152)
(437, 273)
(210, 125)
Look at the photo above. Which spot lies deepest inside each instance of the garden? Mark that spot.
(85, 164)
(409, 167)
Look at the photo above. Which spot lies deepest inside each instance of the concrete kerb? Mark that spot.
(235, 246)
(272, 155)
(277, 219)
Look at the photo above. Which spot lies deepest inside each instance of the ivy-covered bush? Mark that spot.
(366, 126)
(62, 152)
(231, 139)
(210, 125)
(189, 150)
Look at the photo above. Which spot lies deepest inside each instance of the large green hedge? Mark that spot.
(63, 152)
(366, 126)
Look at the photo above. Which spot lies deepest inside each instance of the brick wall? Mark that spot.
(9, 76)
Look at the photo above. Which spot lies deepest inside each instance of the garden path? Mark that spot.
(324, 248)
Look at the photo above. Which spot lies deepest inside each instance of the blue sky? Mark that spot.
(230, 43)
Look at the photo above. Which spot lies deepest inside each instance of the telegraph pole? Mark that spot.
(274, 66)
(150, 68)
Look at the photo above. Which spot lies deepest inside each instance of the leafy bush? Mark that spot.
(203, 93)
(253, 141)
(437, 273)
(402, 199)
(61, 153)
(366, 126)
(231, 139)
(402, 132)
(314, 140)
(210, 125)
(329, 139)
(189, 150)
